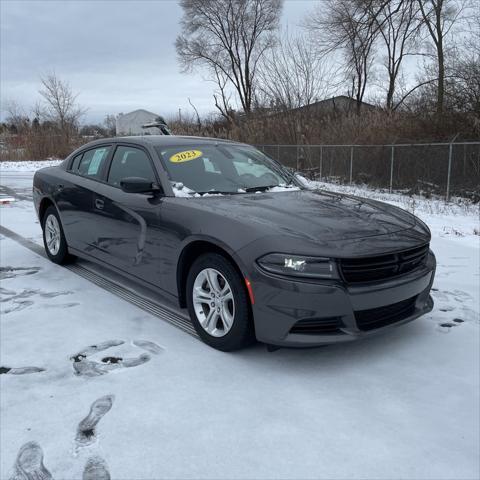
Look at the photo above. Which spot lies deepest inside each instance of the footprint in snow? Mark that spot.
(29, 464)
(17, 306)
(12, 272)
(4, 291)
(20, 370)
(445, 327)
(83, 366)
(447, 309)
(96, 469)
(86, 431)
(16, 296)
(53, 294)
(62, 305)
(19, 299)
(149, 346)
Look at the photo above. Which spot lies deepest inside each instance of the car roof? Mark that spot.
(161, 140)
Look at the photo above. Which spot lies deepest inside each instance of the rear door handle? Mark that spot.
(99, 203)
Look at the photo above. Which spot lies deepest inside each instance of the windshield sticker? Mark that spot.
(185, 156)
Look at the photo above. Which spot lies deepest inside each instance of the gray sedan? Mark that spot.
(236, 238)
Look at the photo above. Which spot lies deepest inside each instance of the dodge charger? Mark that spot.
(237, 239)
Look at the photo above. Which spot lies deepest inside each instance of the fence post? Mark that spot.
(450, 153)
(297, 159)
(321, 162)
(392, 156)
(351, 164)
(278, 153)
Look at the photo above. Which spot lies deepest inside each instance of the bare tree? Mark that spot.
(439, 17)
(229, 38)
(350, 26)
(199, 121)
(221, 96)
(398, 25)
(110, 124)
(293, 74)
(463, 86)
(17, 119)
(60, 104)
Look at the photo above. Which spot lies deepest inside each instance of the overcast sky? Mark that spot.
(118, 54)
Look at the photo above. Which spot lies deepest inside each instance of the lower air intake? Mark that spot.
(318, 326)
(384, 316)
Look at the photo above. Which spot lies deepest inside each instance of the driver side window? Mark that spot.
(130, 162)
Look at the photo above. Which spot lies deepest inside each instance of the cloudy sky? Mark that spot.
(118, 54)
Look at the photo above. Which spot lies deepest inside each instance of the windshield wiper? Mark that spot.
(262, 188)
(216, 192)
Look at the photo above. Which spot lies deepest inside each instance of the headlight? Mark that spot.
(298, 266)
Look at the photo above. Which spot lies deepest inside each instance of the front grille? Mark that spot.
(384, 316)
(369, 269)
(318, 326)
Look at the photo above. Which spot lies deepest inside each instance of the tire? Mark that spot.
(232, 328)
(55, 248)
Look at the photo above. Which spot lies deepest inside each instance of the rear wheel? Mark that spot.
(218, 303)
(53, 237)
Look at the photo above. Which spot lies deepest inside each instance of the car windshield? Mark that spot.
(223, 169)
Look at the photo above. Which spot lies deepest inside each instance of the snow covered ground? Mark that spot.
(28, 165)
(404, 405)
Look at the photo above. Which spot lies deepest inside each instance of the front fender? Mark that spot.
(215, 241)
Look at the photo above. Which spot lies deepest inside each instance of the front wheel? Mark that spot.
(218, 303)
(54, 238)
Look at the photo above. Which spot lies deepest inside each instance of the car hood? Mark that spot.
(311, 215)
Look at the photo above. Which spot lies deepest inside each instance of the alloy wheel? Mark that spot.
(52, 234)
(213, 302)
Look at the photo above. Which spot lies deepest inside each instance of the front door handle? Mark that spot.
(99, 203)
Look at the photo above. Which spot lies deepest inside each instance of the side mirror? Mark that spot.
(139, 185)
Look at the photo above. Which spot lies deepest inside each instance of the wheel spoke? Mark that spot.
(225, 290)
(227, 319)
(211, 320)
(201, 296)
(212, 279)
(228, 296)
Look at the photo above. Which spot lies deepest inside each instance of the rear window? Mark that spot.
(91, 162)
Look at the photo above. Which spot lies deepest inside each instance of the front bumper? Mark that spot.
(297, 313)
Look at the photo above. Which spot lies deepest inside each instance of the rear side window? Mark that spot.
(75, 163)
(91, 162)
(130, 162)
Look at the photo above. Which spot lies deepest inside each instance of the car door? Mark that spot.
(75, 196)
(129, 232)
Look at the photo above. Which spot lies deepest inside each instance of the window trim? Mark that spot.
(138, 147)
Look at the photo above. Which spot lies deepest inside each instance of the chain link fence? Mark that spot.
(447, 169)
